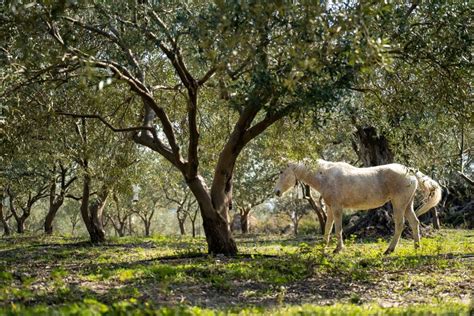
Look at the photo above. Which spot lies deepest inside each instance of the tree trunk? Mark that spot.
(53, 209)
(372, 149)
(181, 227)
(147, 227)
(193, 228)
(216, 228)
(244, 220)
(244, 223)
(20, 220)
(6, 228)
(121, 229)
(92, 212)
(96, 212)
(20, 224)
(435, 218)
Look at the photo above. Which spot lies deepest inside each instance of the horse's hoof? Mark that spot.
(337, 250)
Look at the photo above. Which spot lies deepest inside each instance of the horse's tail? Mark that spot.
(431, 192)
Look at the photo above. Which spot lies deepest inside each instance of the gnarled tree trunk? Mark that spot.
(92, 211)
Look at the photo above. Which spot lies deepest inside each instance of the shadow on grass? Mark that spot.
(192, 277)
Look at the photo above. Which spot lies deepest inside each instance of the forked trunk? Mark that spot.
(216, 228)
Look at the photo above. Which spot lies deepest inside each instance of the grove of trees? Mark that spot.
(199, 104)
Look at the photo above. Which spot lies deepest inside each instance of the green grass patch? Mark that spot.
(61, 276)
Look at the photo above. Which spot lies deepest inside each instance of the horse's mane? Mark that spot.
(310, 165)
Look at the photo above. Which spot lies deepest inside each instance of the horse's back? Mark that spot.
(368, 187)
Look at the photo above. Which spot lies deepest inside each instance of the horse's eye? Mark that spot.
(281, 172)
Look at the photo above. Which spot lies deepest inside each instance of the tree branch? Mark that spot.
(465, 177)
(207, 76)
(100, 118)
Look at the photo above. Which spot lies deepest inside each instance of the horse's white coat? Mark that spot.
(344, 186)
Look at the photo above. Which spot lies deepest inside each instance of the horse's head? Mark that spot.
(286, 180)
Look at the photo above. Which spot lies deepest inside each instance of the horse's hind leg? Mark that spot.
(414, 223)
(399, 220)
(338, 223)
(328, 227)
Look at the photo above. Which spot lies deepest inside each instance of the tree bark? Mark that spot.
(147, 227)
(54, 205)
(120, 221)
(216, 228)
(92, 212)
(20, 224)
(48, 221)
(182, 229)
(3, 219)
(193, 228)
(372, 149)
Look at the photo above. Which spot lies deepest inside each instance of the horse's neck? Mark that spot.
(304, 174)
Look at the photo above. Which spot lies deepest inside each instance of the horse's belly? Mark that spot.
(365, 202)
(364, 205)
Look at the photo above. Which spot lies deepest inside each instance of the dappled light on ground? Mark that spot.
(271, 273)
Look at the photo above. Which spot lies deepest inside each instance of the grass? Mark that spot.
(271, 275)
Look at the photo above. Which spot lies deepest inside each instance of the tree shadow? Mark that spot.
(192, 277)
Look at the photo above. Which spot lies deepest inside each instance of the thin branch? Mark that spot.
(110, 126)
(465, 177)
(207, 76)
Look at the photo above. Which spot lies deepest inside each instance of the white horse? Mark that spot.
(344, 186)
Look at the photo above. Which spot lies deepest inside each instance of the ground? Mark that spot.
(272, 275)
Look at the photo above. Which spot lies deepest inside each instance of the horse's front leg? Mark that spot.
(338, 223)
